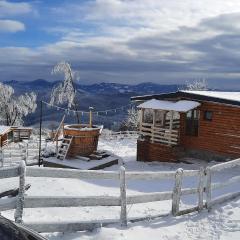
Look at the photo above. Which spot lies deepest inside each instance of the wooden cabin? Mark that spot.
(201, 124)
(21, 133)
(5, 135)
(13, 134)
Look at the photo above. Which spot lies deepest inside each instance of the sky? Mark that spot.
(123, 41)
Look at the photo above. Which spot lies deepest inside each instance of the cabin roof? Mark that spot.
(4, 129)
(179, 106)
(229, 98)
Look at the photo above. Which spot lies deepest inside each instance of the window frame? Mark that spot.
(205, 115)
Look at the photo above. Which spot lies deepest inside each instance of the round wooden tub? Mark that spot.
(84, 141)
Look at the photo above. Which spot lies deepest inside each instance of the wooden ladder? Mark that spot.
(64, 147)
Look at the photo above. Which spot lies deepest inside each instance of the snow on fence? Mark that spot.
(120, 134)
(12, 154)
(205, 185)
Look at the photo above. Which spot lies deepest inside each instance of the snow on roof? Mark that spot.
(4, 129)
(233, 96)
(179, 106)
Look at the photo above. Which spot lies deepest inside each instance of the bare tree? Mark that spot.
(14, 108)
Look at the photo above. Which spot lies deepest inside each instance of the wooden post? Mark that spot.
(170, 127)
(26, 153)
(123, 197)
(177, 191)
(208, 188)
(200, 189)
(1, 157)
(90, 116)
(40, 135)
(141, 119)
(153, 125)
(20, 198)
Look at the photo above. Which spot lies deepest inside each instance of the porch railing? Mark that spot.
(158, 134)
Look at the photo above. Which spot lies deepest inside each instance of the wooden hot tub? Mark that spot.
(85, 139)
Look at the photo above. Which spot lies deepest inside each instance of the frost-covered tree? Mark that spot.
(65, 92)
(13, 108)
(197, 85)
(132, 121)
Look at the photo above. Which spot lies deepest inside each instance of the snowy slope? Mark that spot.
(222, 223)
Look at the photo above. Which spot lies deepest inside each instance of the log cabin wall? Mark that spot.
(221, 135)
(148, 152)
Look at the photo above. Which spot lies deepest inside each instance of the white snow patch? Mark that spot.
(221, 223)
(234, 96)
(179, 106)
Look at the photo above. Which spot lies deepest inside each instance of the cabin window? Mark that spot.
(208, 115)
(192, 122)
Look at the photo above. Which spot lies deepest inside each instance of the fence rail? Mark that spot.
(12, 155)
(203, 190)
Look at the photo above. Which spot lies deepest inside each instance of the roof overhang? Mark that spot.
(179, 106)
(226, 98)
(4, 129)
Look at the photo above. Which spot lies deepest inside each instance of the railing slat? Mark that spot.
(9, 172)
(70, 201)
(149, 197)
(71, 173)
(226, 165)
(8, 204)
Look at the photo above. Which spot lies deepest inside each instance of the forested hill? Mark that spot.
(100, 95)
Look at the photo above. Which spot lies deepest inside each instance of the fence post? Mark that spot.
(177, 191)
(26, 156)
(20, 197)
(123, 197)
(208, 188)
(1, 157)
(200, 189)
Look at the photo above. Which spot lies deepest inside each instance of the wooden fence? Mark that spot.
(119, 134)
(12, 154)
(203, 190)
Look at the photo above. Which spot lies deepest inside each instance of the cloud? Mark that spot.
(134, 41)
(14, 8)
(11, 26)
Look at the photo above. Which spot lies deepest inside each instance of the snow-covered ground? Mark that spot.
(223, 222)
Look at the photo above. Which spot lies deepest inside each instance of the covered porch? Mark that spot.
(159, 127)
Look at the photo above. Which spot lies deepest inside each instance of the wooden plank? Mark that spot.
(67, 226)
(71, 173)
(208, 189)
(224, 198)
(8, 204)
(226, 183)
(226, 165)
(9, 172)
(188, 191)
(123, 197)
(149, 197)
(70, 201)
(20, 198)
(150, 175)
(200, 189)
(177, 191)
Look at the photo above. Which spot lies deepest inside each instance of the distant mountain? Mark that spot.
(101, 96)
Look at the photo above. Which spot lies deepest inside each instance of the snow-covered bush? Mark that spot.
(13, 108)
